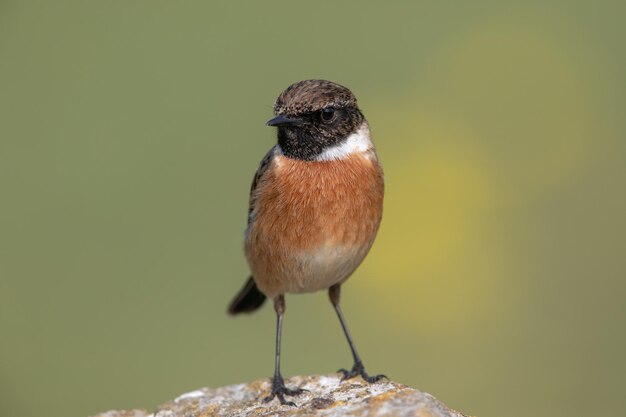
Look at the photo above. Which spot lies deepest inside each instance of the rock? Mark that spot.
(327, 396)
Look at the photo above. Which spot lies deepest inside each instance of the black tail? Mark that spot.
(247, 300)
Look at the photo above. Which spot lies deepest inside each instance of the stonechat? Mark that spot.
(315, 206)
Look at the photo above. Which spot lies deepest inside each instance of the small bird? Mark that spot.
(315, 207)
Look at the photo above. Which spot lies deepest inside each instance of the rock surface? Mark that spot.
(327, 396)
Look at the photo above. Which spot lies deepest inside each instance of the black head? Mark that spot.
(313, 115)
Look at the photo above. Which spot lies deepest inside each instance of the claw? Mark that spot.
(279, 390)
(345, 374)
(374, 378)
(359, 369)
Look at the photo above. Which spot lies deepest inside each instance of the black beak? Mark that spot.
(281, 120)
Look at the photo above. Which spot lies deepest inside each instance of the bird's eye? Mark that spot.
(327, 115)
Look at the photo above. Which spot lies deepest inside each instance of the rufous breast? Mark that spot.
(313, 221)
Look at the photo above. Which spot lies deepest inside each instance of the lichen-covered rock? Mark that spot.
(326, 396)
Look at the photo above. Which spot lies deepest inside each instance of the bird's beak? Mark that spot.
(281, 120)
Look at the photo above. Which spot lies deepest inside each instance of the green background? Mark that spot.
(129, 134)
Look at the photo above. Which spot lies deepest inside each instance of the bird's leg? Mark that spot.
(334, 293)
(279, 389)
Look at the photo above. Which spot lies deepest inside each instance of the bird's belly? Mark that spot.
(323, 267)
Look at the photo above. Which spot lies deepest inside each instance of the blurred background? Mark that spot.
(129, 134)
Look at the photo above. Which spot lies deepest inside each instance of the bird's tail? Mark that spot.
(248, 299)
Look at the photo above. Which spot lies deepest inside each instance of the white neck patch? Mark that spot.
(359, 142)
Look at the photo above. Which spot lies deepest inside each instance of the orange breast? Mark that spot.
(313, 222)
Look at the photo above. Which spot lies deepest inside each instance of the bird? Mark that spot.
(315, 208)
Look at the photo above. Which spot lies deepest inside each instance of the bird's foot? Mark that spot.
(359, 369)
(279, 390)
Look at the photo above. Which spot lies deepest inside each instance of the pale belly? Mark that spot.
(325, 267)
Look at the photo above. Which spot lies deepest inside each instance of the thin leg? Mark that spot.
(279, 389)
(334, 293)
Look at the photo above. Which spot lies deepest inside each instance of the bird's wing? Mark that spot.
(263, 167)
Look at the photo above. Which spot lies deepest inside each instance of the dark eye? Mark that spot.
(327, 115)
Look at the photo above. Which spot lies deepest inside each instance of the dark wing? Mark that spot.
(263, 167)
(250, 298)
